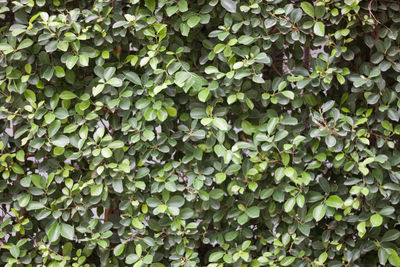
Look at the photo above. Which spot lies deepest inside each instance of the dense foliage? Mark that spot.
(199, 133)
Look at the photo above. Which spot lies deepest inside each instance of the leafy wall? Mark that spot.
(199, 133)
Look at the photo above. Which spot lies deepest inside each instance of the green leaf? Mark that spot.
(181, 77)
(54, 232)
(119, 249)
(60, 140)
(115, 82)
(391, 235)
(387, 125)
(59, 71)
(272, 124)
(17, 169)
(149, 135)
(106, 152)
(109, 73)
(229, 5)
(266, 193)
(216, 193)
(151, 5)
(253, 212)
(319, 29)
(376, 220)
(67, 95)
(24, 200)
(361, 229)
(34, 205)
(26, 181)
(71, 128)
(203, 94)
(142, 103)
(242, 219)
(319, 11)
(176, 201)
(133, 77)
(63, 45)
(71, 61)
(287, 261)
(5, 47)
(171, 10)
(300, 200)
(220, 177)
(288, 94)
(38, 181)
(67, 231)
(172, 111)
(116, 144)
(96, 190)
(211, 70)
(221, 124)
(330, 141)
(53, 128)
(61, 113)
(319, 212)
(290, 172)
(340, 78)
(289, 204)
(97, 89)
(308, 8)
(84, 60)
(193, 21)
(215, 256)
(245, 39)
(25, 44)
(14, 251)
(334, 202)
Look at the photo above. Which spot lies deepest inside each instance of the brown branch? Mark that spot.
(275, 69)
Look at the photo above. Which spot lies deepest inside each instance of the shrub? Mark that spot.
(199, 133)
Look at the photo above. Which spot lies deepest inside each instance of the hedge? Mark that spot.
(199, 133)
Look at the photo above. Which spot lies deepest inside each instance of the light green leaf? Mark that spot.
(308, 8)
(253, 212)
(106, 152)
(229, 5)
(97, 89)
(67, 95)
(215, 256)
(84, 60)
(25, 44)
(245, 39)
(5, 47)
(119, 249)
(181, 77)
(319, 212)
(60, 140)
(319, 29)
(115, 82)
(334, 202)
(221, 124)
(376, 220)
(300, 200)
(220, 177)
(288, 94)
(203, 94)
(193, 21)
(54, 232)
(71, 61)
(133, 77)
(96, 190)
(67, 231)
(289, 204)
